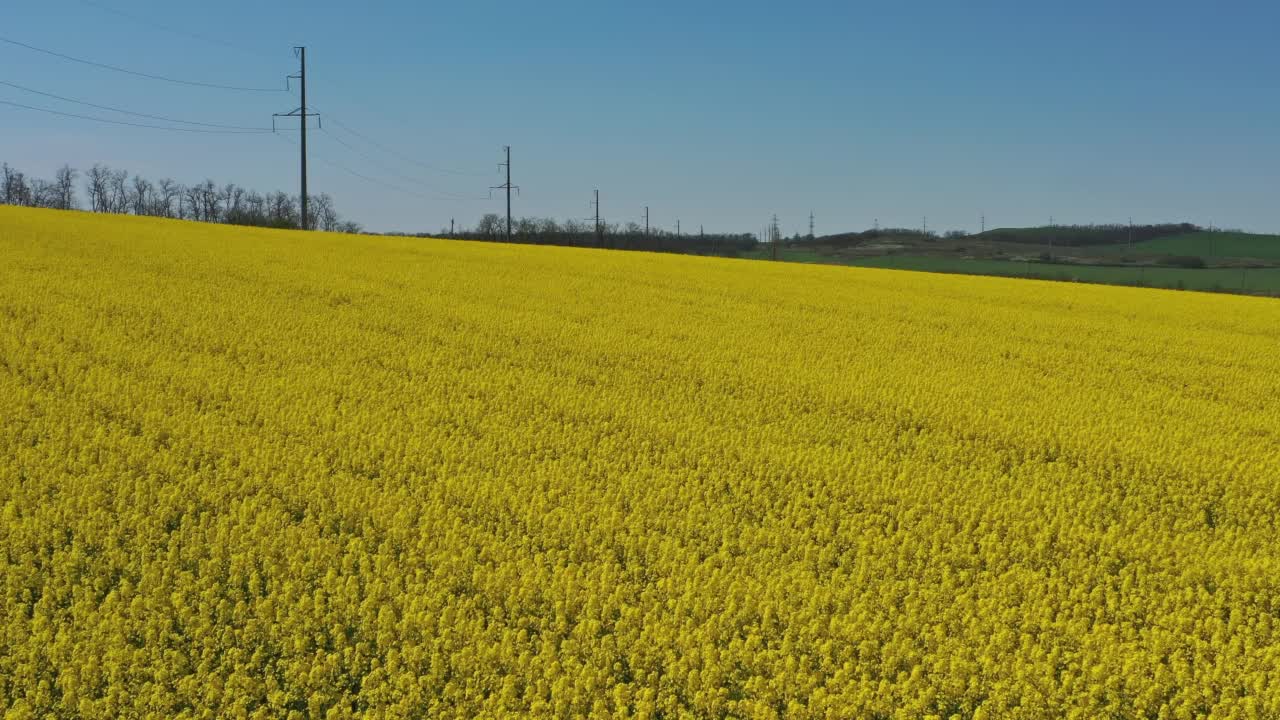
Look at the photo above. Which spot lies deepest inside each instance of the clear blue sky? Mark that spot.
(714, 113)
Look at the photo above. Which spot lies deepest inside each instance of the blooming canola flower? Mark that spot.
(255, 473)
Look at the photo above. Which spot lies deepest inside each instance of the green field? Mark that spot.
(1252, 280)
(796, 255)
(1227, 254)
(1203, 244)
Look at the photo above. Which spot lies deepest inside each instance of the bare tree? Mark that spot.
(211, 201)
(6, 184)
(141, 197)
(97, 182)
(490, 226)
(15, 190)
(255, 208)
(110, 191)
(119, 191)
(7, 194)
(323, 214)
(65, 180)
(167, 192)
(43, 194)
(231, 197)
(281, 210)
(194, 200)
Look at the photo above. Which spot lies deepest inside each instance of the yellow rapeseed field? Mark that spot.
(250, 473)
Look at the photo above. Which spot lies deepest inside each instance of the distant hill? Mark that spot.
(1178, 255)
(1209, 244)
(1064, 235)
(1171, 239)
(1082, 235)
(855, 239)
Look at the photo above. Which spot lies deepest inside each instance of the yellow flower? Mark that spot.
(256, 473)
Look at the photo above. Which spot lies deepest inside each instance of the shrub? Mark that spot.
(1185, 261)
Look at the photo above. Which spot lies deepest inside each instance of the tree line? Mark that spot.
(115, 191)
(618, 236)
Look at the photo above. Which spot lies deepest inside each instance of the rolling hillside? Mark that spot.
(1208, 245)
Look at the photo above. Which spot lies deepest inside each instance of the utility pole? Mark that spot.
(646, 222)
(984, 222)
(773, 236)
(599, 235)
(451, 233)
(508, 164)
(301, 113)
(508, 187)
(678, 228)
(926, 225)
(810, 225)
(302, 123)
(1131, 235)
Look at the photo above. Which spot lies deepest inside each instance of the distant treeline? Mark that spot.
(115, 191)
(857, 238)
(1077, 235)
(583, 233)
(1066, 235)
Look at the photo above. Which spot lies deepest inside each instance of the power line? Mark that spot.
(132, 124)
(303, 110)
(401, 156)
(352, 172)
(364, 177)
(149, 76)
(403, 178)
(175, 31)
(392, 152)
(396, 154)
(263, 53)
(128, 112)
